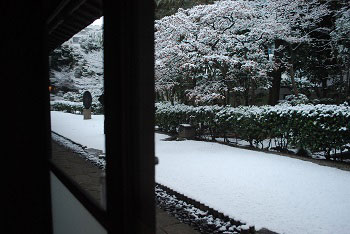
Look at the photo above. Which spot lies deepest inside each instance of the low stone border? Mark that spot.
(93, 156)
(203, 218)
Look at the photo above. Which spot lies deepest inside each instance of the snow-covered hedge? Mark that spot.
(75, 107)
(312, 127)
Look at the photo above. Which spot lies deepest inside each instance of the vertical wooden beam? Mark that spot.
(129, 113)
(26, 125)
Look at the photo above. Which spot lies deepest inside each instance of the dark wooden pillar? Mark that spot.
(129, 110)
(26, 129)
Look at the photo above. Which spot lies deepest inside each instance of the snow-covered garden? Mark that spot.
(283, 194)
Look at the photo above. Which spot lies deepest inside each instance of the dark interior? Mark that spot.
(32, 30)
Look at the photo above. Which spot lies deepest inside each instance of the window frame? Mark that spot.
(128, 43)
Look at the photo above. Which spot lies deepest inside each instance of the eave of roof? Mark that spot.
(68, 17)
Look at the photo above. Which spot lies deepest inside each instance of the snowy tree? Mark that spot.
(221, 49)
(65, 56)
(76, 68)
(170, 7)
(341, 44)
(63, 60)
(93, 41)
(289, 25)
(212, 50)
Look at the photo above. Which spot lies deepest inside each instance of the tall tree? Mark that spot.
(220, 49)
(291, 23)
(341, 46)
(217, 48)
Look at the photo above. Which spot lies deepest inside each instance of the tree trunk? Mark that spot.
(348, 81)
(324, 88)
(246, 97)
(317, 91)
(234, 97)
(274, 91)
(292, 77)
(227, 97)
(292, 71)
(253, 99)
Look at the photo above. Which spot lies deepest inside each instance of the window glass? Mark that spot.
(251, 96)
(77, 111)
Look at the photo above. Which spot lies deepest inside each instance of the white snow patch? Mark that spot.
(88, 133)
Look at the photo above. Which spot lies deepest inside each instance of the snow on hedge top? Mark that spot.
(307, 110)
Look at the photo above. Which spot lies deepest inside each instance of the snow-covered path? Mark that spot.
(283, 194)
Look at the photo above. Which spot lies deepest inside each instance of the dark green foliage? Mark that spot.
(316, 128)
(74, 108)
(64, 56)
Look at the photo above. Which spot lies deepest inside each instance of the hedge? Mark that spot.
(75, 107)
(317, 128)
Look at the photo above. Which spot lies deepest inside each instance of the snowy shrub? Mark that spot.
(204, 120)
(244, 122)
(67, 106)
(73, 97)
(75, 107)
(97, 108)
(320, 127)
(296, 100)
(169, 117)
(317, 128)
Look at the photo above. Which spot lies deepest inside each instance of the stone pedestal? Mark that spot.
(87, 113)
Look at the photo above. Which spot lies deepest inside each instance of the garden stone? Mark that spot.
(186, 131)
(87, 101)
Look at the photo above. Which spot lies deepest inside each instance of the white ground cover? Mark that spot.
(283, 194)
(88, 133)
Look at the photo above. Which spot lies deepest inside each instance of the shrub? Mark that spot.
(75, 107)
(311, 127)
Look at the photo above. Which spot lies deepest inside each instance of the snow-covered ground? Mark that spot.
(283, 194)
(88, 133)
